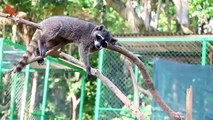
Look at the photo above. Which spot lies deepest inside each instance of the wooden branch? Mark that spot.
(110, 85)
(189, 103)
(105, 81)
(147, 79)
(37, 58)
(75, 103)
(134, 82)
(47, 53)
(20, 20)
(145, 92)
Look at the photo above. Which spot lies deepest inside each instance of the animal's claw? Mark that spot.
(42, 52)
(40, 62)
(88, 76)
(88, 70)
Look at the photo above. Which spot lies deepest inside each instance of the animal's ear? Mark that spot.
(99, 28)
(113, 41)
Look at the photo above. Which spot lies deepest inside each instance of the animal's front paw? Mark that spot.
(88, 76)
(42, 52)
(88, 70)
(40, 62)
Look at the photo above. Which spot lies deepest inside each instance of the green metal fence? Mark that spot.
(192, 49)
(16, 89)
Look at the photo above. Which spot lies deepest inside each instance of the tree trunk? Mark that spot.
(33, 93)
(147, 13)
(75, 103)
(131, 17)
(181, 7)
(4, 31)
(155, 25)
(14, 30)
(128, 12)
(138, 19)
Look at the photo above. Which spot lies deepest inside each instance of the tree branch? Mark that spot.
(147, 79)
(134, 82)
(105, 81)
(145, 92)
(155, 23)
(110, 85)
(20, 20)
(127, 12)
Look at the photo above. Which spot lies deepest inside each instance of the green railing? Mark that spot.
(148, 48)
(7, 47)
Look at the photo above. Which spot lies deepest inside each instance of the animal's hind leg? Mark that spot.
(37, 53)
(30, 49)
(42, 46)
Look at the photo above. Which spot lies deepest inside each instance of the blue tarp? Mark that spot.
(172, 79)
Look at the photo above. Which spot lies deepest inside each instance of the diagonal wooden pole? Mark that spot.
(134, 109)
(147, 79)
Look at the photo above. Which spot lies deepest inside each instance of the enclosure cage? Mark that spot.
(25, 95)
(190, 49)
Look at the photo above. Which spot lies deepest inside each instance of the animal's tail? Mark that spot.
(30, 49)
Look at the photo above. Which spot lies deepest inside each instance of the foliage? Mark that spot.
(200, 11)
(62, 88)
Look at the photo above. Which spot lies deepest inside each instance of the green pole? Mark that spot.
(98, 89)
(204, 52)
(1, 60)
(136, 78)
(203, 62)
(83, 80)
(44, 101)
(25, 91)
(12, 107)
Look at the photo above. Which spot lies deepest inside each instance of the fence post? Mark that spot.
(136, 78)
(98, 89)
(203, 62)
(189, 94)
(12, 106)
(25, 91)
(83, 80)
(204, 52)
(1, 61)
(44, 101)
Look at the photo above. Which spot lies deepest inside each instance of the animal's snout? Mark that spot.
(98, 45)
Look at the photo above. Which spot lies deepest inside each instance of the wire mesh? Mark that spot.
(119, 75)
(114, 68)
(24, 100)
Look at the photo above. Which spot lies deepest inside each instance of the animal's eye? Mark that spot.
(99, 37)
